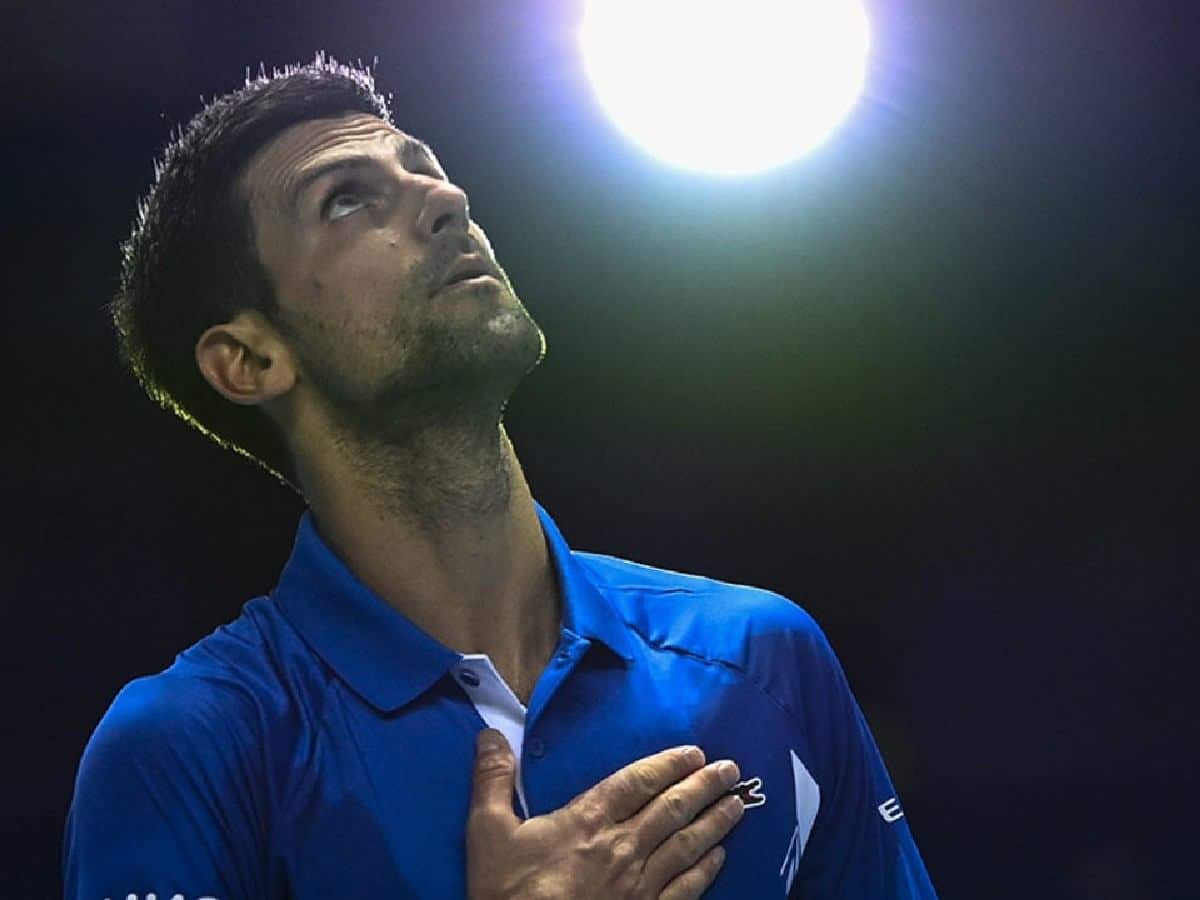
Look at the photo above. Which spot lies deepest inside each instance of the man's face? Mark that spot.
(374, 259)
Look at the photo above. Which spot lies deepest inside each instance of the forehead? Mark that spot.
(275, 169)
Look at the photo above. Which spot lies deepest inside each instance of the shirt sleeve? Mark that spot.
(166, 799)
(861, 847)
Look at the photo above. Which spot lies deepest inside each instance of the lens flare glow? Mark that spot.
(729, 87)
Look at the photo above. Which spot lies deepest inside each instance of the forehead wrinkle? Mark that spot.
(303, 173)
(274, 170)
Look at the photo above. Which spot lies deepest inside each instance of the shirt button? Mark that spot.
(469, 677)
(535, 747)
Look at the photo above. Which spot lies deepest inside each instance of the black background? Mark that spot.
(936, 382)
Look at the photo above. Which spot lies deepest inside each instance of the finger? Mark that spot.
(627, 790)
(682, 850)
(695, 881)
(492, 788)
(680, 804)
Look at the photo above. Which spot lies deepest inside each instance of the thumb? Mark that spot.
(494, 780)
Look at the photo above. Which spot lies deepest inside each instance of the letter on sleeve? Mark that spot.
(860, 846)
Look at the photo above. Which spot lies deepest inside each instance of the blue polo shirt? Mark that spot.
(321, 745)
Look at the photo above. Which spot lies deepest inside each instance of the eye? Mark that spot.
(342, 202)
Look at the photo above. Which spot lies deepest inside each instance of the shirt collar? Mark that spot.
(378, 651)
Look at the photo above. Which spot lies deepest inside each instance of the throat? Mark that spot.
(521, 675)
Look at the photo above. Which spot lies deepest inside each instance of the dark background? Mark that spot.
(935, 382)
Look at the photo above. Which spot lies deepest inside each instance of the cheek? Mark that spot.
(379, 264)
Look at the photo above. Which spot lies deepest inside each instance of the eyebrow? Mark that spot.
(412, 147)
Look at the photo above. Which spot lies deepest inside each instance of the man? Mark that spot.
(306, 286)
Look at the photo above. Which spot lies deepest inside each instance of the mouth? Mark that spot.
(469, 269)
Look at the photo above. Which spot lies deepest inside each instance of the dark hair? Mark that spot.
(190, 261)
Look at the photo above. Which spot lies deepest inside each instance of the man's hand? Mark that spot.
(631, 837)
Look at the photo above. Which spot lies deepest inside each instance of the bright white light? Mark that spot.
(732, 86)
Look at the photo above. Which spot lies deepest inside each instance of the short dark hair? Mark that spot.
(191, 262)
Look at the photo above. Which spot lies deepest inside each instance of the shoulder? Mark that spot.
(175, 779)
(168, 746)
(170, 720)
(747, 627)
(212, 702)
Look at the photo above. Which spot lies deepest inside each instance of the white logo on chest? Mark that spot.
(808, 801)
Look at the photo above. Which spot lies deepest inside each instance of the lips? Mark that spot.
(466, 268)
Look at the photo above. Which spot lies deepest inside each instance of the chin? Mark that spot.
(507, 322)
(524, 343)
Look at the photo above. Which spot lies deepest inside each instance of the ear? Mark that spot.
(245, 360)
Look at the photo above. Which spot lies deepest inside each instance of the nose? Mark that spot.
(445, 207)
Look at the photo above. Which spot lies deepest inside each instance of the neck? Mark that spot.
(445, 531)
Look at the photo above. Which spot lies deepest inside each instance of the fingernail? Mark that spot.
(728, 771)
(694, 756)
(489, 740)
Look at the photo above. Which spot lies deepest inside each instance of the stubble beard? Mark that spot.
(453, 374)
(425, 438)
